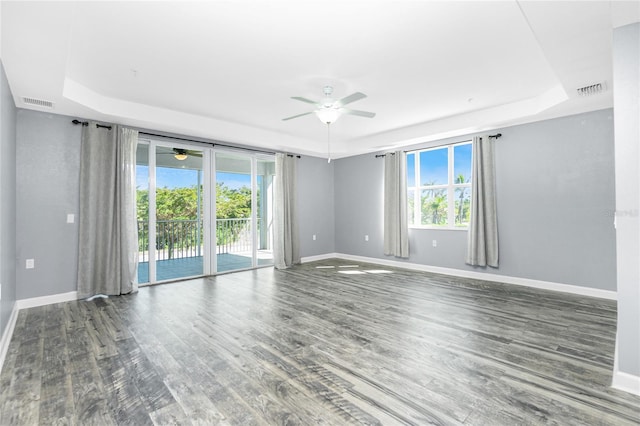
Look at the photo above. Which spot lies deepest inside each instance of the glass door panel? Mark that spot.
(179, 213)
(234, 230)
(265, 172)
(142, 207)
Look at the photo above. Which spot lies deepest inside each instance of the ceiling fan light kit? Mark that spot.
(328, 115)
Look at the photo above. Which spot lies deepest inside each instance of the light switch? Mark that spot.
(71, 218)
(30, 264)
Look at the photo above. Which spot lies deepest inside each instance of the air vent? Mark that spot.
(593, 89)
(37, 102)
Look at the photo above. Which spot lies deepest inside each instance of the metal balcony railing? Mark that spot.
(178, 239)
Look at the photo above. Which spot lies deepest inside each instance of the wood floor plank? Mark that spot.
(315, 346)
(26, 384)
(56, 399)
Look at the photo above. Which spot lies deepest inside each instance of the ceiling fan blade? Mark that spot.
(309, 101)
(351, 98)
(194, 153)
(358, 113)
(296, 116)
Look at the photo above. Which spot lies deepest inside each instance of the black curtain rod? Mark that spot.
(214, 144)
(497, 135)
(86, 123)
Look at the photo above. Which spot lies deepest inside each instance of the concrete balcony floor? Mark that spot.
(172, 269)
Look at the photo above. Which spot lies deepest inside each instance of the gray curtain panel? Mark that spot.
(396, 221)
(286, 251)
(482, 241)
(108, 233)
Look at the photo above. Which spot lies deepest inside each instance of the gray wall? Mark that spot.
(48, 170)
(359, 205)
(626, 79)
(48, 158)
(315, 204)
(7, 200)
(555, 185)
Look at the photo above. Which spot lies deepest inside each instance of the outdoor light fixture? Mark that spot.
(180, 155)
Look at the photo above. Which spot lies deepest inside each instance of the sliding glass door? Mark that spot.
(179, 205)
(243, 211)
(202, 211)
(234, 201)
(171, 211)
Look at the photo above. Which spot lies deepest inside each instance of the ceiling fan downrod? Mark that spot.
(328, 143)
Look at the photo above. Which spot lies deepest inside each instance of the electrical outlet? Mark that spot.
(366, 238)
(30, 264)
(434, 243)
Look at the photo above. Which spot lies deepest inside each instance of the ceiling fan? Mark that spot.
(182, 154)
(328, 110)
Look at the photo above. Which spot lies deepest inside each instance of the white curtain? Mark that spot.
(108, 233)
(396, 221)
(482, 241)
(286, 251)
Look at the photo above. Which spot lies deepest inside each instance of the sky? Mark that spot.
(185, 178)
(433, 165)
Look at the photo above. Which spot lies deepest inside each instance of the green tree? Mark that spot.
(181, 204)
(231, 204)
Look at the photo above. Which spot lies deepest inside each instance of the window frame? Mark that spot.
(450, 188)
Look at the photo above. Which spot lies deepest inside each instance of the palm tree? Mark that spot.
(434, 206)
(461, 179)
(437, 204)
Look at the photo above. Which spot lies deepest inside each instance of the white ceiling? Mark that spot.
(226, 70)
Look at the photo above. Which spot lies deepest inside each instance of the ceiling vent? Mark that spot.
(37, 102)
(594, 89)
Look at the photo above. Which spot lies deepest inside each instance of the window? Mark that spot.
(439, 186)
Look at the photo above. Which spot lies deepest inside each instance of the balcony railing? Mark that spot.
(178, 239)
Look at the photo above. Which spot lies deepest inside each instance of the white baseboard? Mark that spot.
(319, 257)
(47, 300)
(543, 285)
(626, 382)
(8, 332)
(24, 304)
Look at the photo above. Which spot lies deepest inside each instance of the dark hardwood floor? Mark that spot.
(331, 346)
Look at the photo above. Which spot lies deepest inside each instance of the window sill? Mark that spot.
(439, 228)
